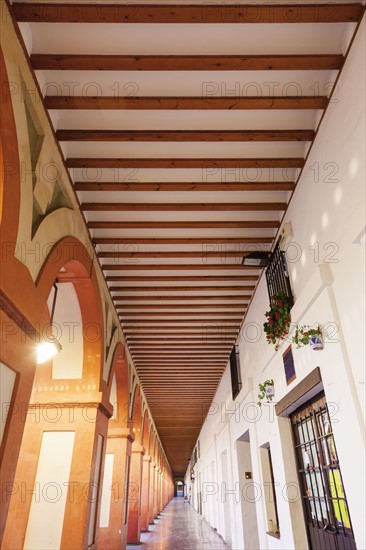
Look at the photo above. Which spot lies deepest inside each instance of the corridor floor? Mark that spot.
(180, 527)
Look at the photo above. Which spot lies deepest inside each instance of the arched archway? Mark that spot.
(67, 420)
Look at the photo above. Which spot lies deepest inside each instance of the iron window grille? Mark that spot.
(277, 276)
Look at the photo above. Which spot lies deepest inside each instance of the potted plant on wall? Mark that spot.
(278, 319)
(312, 336)
(266, 391)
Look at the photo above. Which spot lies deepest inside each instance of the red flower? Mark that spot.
(277, 315)
(280, 303)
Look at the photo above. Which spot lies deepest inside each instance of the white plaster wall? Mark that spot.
(113, 395)
(45, 522)
(68, 326)
(326, 263)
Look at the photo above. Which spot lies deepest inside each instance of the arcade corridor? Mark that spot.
(182, 279)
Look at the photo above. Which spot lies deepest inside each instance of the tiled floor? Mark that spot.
(180, 527)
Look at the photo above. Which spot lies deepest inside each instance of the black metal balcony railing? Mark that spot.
(277, 276)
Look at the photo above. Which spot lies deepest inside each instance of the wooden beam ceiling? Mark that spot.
(181, 319)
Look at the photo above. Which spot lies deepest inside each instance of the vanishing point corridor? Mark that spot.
(180, 527)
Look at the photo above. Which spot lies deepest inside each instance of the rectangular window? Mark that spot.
(273, 526)
(235, 372)
(288, 363)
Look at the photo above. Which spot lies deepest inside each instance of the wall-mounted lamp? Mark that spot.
(47, 350)
(257, 259)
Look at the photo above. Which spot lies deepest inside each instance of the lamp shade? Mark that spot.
(257, 259)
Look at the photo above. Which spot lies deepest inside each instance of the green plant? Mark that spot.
(303, 335)
(263, 393)
(278, 319)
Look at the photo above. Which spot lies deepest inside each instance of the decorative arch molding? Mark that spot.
(119, 373)
(69, 262)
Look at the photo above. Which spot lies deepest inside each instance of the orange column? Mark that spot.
(114, 535)
(151, 492)
(163, 491)
(156, 491)
(134, 495)
(159, 491)
(79, 520)
(145, 493)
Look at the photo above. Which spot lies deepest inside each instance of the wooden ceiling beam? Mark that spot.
(176, 362)
(177, 353)
(216, 103)
(180, 288)
(181, 337)
(185, 135)
(204, 366)
(233, 315)
(161, 382)
(170, 346)
(179, 186)
(121, 308)
(217, 324)
(182, 207)
(181, 278)
(177, 367)
(265, 224)
(94, 62)
(120, 300)
(245, 13)
(175, 267)
(200, 163)
(201, 254)
(209, 347)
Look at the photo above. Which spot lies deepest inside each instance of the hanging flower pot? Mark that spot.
(316, 342)
(266, 391)
(312, 336)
